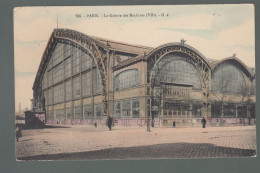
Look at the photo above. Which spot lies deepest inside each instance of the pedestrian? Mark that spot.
(95, 124)
(18, 133)
(173, 124)
(203, 121)
(109, 122)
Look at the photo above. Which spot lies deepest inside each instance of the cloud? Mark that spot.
(221, 20)
(232, 47)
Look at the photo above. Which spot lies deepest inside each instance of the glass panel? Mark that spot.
(76, 59)
(59, 115)
(230, 110)
(97, 81)
(126, 107)
(76, 88)
(86, 61)
(68, 90)
(62, 115)
(67, 68)
(87, 111)
(58, 73)
(58, 94)
(77, 114)
(49, 96)
(241, 111)
(51, 115)
(68, 114)
(216, 110)
(45, 80)
(50, 78)
(47, 116)
(49, 64)
(117, 108)
(86, 84)
(98, 110)
(57, 54)
(127, 79)
(196, 110)
(67, 50)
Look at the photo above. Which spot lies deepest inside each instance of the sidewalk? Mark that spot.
(185, 142)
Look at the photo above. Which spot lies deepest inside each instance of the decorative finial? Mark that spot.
(183, 41)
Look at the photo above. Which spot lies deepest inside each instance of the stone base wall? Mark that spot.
(159, 122)
(196, 122)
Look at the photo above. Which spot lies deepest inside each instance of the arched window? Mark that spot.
(127, 79)
(227, 78)
(177, 69)
(63, 69)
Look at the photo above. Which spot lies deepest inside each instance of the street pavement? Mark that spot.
(84, 142)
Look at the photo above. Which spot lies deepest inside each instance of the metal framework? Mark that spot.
(193, 56)
(99, 51)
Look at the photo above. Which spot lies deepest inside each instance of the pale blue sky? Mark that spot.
(217, 31)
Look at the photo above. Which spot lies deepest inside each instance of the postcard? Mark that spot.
(135, 82)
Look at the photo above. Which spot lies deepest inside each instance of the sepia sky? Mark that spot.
(217, 31)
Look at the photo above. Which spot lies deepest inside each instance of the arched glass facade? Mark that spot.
(71, 74)
(179, 74)
(177, 69)
(227, 78)
(127, 79)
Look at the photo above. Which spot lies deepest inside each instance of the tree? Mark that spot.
(221, 89)
(245, 99)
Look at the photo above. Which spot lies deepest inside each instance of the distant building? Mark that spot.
(81, 78)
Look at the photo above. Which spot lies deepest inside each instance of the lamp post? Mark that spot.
(148, 117)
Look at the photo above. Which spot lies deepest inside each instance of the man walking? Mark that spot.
(203, 121)
(18, 133)
(173, 124)
(109, 122)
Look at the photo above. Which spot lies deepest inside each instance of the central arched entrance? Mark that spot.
(178, 85)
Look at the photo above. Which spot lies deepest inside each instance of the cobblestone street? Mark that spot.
(79, 142)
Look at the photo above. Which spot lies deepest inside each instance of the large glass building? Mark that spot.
(82, 79)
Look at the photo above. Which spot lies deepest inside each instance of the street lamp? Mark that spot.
(148, 117)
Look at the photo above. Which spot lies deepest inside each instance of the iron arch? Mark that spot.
(193, 56)
(237, 63)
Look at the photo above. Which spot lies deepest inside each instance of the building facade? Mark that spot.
(82, 79)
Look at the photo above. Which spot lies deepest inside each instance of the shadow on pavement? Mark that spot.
(158, 151)
(54, 126)
(24, 127)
